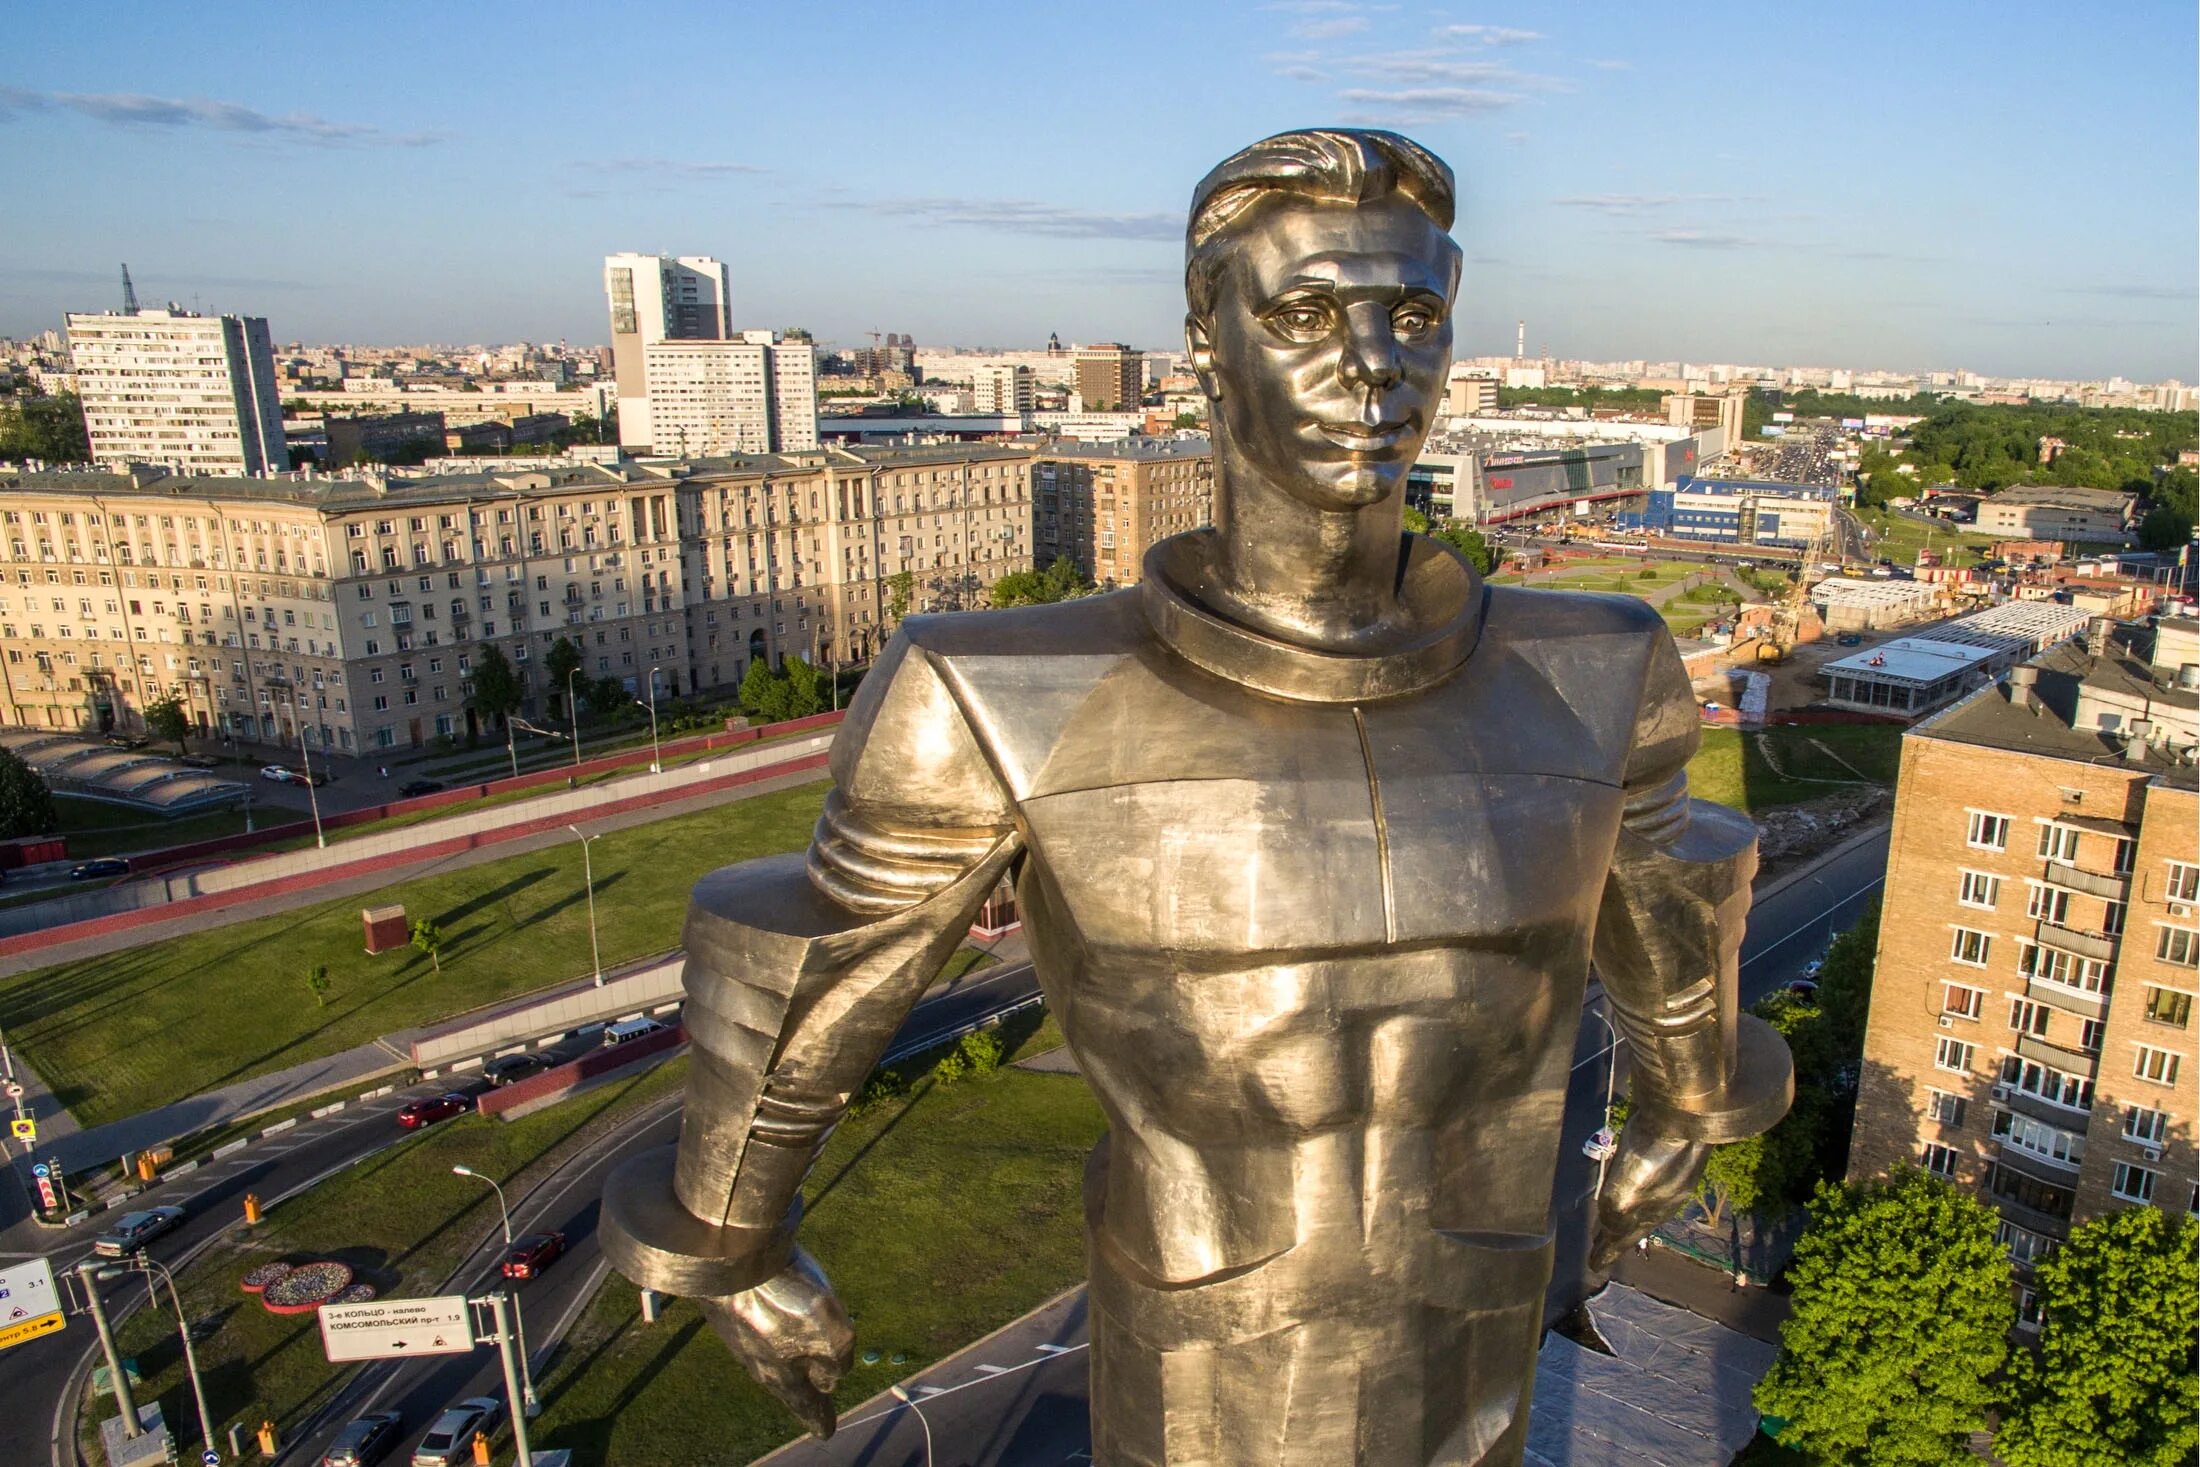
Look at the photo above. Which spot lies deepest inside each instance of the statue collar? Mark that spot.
(1440, 589)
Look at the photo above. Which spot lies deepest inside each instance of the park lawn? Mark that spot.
(1898, 538)
(1730, 768)
(939, 1217)
(131, 1030)
(96, 828)
(399, 1218)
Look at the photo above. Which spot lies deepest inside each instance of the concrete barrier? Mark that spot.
(515, 1100)
(636, 990)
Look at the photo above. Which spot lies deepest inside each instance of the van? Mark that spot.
(628, 1030)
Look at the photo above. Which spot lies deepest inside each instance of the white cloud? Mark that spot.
(134, 109)
(1022, 216)
(1489, 35)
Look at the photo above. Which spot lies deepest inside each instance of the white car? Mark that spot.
(277, 773)
(450, 1440)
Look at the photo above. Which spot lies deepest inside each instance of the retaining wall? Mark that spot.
(636, 991)
(535, 1091)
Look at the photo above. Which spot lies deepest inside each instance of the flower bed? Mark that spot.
(306, 1288)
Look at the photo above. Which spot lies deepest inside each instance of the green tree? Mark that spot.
(1901, 1312)
(44, 426)
(1061, 581)
(496, 694)
(317, 984)
(605, 696)
(1416, 522)
(764, 693)
(901, 589)
(167, 718)
(806, 690)
(2113, 1383)
(1470, 543)
(2169, 517)
(559, 664)
(428, 937)
(26, 805)
(1189, 420)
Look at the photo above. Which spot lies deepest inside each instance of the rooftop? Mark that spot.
(2058, 496)
(1140, 450)
(1920, 660)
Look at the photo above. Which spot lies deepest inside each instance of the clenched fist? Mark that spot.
(791, 1333)
(1646, 1184)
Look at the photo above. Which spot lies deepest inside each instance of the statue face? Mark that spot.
(1329, 345)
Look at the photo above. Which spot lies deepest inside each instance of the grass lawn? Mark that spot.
(96, 828)
(1898, 538)
(1730, 767)
(939, 1217)
(400, 1219)
(119, 1034)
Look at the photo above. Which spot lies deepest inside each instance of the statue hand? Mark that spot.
(790, 1333)
(1646, 1183)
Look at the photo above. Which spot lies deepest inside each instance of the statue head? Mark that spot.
(1320, 271)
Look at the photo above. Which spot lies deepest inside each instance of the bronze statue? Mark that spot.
(1314, 834)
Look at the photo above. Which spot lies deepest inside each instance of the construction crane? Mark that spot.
(129, 293)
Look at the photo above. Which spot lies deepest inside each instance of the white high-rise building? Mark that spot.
(1004, 387)
(177, 388)
(755, 394)
(657, 298)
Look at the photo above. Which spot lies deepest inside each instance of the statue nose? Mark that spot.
(1370, 352)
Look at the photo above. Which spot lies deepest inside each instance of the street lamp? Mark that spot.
(573, 715)
(519, 1324)
(656, 764)
(305, 757)
(149, 1266)
(1601, 1145)
(588, 879)
(900, 1394)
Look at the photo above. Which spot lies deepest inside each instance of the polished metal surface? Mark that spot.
(1315, 835)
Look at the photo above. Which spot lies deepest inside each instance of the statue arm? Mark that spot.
(799, 971)
(1668, 940)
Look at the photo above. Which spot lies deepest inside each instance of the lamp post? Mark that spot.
(305, 758)
(150, 1266)
(656, 763)
(573, 715)
(588, 879)
(125, 1399)
(902, 1395)
(1601, 1141)
(519, 1324)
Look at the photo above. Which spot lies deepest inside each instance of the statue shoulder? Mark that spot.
(1611, 657)
(1519, 613)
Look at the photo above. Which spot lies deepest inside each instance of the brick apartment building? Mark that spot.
(1104, 504)
(2031, 1027)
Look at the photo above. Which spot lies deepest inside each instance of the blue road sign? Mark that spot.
(39, 1169)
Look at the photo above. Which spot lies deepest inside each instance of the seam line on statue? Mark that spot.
(1382, 827)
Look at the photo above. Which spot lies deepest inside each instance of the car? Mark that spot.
(626, 1031)
(123, 741)
(277, 774)
(413, 788)
(201, 761)
(507, 1068)
(1813, 968)
(1802, 988)
(134, 1230)
(435, 1108)
(1849, 639)
(99, 866)
(530, 1255)
(450, 1440)
(363, 1442)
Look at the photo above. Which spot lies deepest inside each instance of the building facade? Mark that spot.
(754, 394)
(1003, 387)
(1741, 512)
(197, 393)
(2031, 1025)
(1104, 504)
(1110, 377)
(381, 437)
(656, 298)
(2051, 512)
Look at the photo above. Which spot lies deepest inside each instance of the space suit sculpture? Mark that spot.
(1314, 835)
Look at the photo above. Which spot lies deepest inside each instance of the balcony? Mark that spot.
(2095, 945)
(2070, 1000)
(2092, 883)
(2039, 1168)
(2069, 1061)
(2024, 1103)
(2031, 1219)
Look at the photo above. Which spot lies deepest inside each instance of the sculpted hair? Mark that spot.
(1329, 165)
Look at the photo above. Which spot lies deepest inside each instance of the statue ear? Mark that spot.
(1202, 348)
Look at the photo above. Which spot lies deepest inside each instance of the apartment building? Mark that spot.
(754, 394)
(1003, 387)
(1104, 504)
(655, 298)
(2031, 1028)
(2056, 512)
(1110, 377)
(172, 387)
(820, 554)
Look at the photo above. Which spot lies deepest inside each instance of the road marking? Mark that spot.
(933, 1392)
(992, 1370)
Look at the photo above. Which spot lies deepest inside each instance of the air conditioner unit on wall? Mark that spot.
(1947, 1021)
(2151, 1153)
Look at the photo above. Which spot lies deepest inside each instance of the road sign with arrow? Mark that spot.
(29, 1307)
(383, 1329)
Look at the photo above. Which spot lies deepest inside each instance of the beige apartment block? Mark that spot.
(1104, 504)
(2031, 1030)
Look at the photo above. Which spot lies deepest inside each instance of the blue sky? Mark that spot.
(2008, 187)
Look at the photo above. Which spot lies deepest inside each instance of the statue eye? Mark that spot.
(1413, 320)
(1301, 319)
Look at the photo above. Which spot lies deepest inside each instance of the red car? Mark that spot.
(435, 1108)
(532, 1254)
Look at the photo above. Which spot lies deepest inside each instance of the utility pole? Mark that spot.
(148, 1266)
(305, 757)
(500, 1311)
(125, 1399)
(573, 712)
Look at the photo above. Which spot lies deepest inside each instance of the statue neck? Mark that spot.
(1326, 579)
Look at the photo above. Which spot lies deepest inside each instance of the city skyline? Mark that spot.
(1750, 191)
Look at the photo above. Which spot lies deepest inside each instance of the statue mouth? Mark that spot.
(1363, 438)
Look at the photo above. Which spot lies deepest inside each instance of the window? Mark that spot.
(2182, 884)
(1988, 832)
(2089, 1034)
(2134, 1183)
(2158, 1066)
(1979, 890)
(1970, 947)
(2027, 1017)
(1940, 1160)
(2072, 1092)
(1944, 1108)
(2145, 1126)
(1953, 1054)
(2038, 1138)
(2058, 843)
(2168, 1006)
(2179, 945)
(1963, 1002)
(2024, 1246)
(2049, 904)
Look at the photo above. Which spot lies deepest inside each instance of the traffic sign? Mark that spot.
(23, 1129)
(210, 1458)
(46, 1198)
(29, 1307)
(40, 1169)
(381, 1329)
(13, 1090)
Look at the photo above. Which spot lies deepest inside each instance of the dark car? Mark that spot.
(506, 1068)
(530, 1255)
(1849, 639)
(1805, 989)
(364, 1442)
(135, 1230)
(200, 761)
(412, 788)
(98, 867)
(435, 1108)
